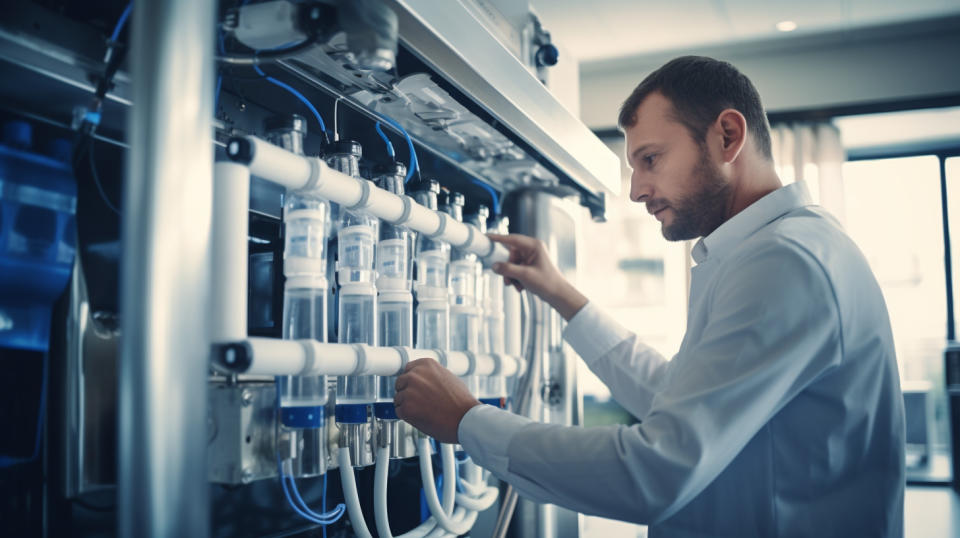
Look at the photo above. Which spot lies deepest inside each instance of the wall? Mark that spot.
(910, 61)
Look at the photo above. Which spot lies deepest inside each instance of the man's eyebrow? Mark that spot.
(641, 149)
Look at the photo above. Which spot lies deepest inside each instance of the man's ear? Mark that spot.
(732, 126)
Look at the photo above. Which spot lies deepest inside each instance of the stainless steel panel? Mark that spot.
(467, 55)
(241, 432)
(548, 216)
(162, 475)
(90, 401)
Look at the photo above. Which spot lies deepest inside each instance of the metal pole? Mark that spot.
(162, 478)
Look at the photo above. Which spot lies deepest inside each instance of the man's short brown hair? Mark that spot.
(699, 88)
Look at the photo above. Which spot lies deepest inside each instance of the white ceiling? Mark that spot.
(597, 30)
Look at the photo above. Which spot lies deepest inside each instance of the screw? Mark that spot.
(246, 476)
(246, 398)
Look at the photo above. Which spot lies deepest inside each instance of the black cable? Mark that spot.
(267, 56)
(96, 177)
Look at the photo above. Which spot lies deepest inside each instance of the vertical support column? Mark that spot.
(162, 478)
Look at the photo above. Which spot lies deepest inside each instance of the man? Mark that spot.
(781, 414)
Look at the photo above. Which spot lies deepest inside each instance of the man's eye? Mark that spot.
(649, 159)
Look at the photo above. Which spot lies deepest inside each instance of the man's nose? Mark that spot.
(640, 191)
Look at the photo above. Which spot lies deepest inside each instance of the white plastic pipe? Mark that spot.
(297, 172)
(273, 163)
(270, 356)
(228, 256)
(350, 496)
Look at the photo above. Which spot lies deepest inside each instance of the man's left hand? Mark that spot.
(432, 399)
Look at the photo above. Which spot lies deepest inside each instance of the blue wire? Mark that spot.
(493, 195)
(121, 22)
(309, 516)
(331, 516)
(302, 509)
(390, 150)
(414, 163)
(326, 519)
(323, 505)
(216, 96)
(295, 93)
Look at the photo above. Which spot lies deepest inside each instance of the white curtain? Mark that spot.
(813, 153)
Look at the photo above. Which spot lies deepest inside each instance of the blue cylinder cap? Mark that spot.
(352, 414)
(385, 411)
(303, 417)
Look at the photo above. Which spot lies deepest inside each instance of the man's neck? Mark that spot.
(754, 183)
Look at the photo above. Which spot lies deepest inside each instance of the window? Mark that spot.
(892, 212)
(636, 276)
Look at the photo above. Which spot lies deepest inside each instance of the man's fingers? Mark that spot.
(515, 240)
(513, 271)
(415, 363)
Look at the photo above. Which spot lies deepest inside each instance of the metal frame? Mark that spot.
(162, 433)
(469, 57)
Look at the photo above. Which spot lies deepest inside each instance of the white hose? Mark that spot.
(448, 460)
(380, 502)
(473, 490)
(477, 494)
(479, 504)
(461, 516)
(446, 521)
(350, 494)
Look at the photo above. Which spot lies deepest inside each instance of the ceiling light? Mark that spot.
(786, 26)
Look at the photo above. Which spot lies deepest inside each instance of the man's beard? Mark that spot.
(702, 212)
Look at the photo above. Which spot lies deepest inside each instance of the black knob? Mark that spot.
(547, 55)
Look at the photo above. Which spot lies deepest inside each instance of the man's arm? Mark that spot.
(632, 370)
(775, 329)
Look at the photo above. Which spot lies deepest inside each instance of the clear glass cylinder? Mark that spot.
(433, 329)
(493, 329)
(356, 248)
(432, 268)
(304, 317)
(393, 260)
(304, 312)
(465, 336)
(306, 220)
(357, 324)
(463, 282)
(396, 329)
(464, 329)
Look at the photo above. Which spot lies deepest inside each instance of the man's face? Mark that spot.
(673, 174)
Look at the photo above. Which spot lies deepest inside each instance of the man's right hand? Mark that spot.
(530, 268)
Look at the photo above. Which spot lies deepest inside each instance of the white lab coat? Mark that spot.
(781, 414)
